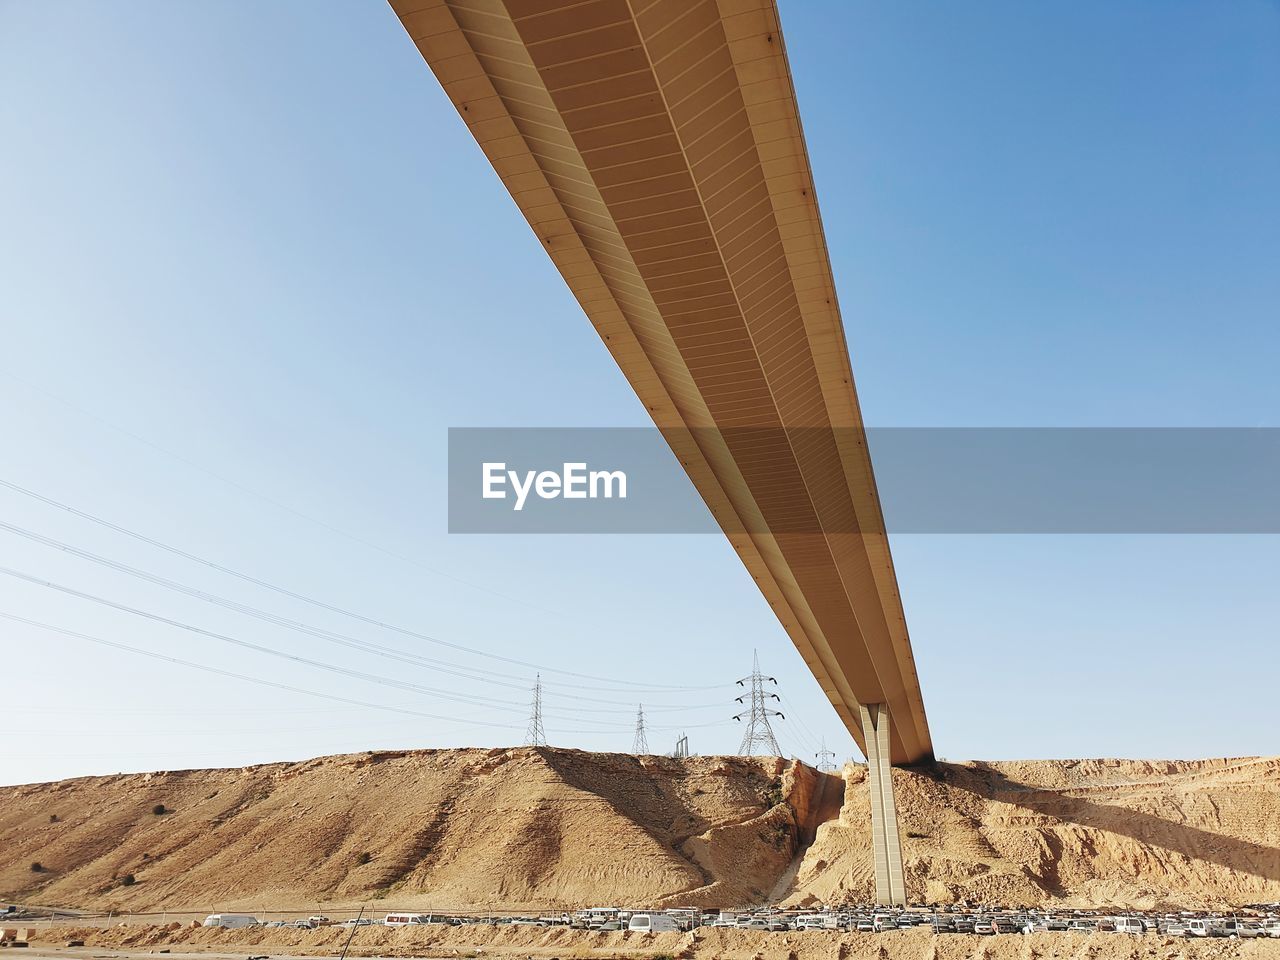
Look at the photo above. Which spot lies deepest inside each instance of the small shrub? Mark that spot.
(37, 867)
(159, 810)
(364, 858)
(53, 818)
(128, 880)
(774, 796)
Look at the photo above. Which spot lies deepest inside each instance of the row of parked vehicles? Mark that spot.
(985, 920)
(597, 918)
(991, 921)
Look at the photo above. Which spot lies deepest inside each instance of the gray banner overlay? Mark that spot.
(931, 480)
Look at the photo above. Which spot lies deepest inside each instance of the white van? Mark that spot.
(652, 923)
(1130, 925)
(232, 921)
(406, 919)
(1198, 928)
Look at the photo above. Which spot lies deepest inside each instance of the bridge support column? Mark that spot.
(885, 843)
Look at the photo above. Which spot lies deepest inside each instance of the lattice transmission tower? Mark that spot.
(640, 745)
(758, 733)
(826, 758)
(534, 735)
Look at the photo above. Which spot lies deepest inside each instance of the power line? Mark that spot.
(364, 646)
(806, 735)
(686, 726)
(758, 733)
(640, 745)
(332, 608)
(275, 685)
(266, 499)
(240, 676)
(347, 672)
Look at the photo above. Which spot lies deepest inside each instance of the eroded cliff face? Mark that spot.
(1123, 832)
(562, 828)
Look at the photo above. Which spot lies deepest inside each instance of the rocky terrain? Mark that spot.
(483, 829)
(1142, 834)
(559, 943)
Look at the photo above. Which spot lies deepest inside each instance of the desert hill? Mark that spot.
(1133, 833)
(543, 827)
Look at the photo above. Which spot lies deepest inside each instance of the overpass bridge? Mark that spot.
(655, 148)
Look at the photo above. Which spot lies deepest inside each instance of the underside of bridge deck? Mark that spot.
(655, 148)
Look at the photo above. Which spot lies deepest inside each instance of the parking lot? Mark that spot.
(1259, 921)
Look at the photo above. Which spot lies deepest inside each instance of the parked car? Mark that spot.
(1241, 929)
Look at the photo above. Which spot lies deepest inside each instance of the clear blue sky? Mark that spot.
(250, 259)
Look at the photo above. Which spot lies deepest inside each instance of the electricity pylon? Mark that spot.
(640, 745)
(826, 758)
(758, 732)
(535, 736)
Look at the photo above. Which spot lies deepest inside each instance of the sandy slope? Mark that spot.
(458, 828)
(549, 827)
(1127, 832)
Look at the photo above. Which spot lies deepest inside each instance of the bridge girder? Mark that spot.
(655, 148)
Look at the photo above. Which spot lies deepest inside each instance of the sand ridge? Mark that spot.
(547, 828)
